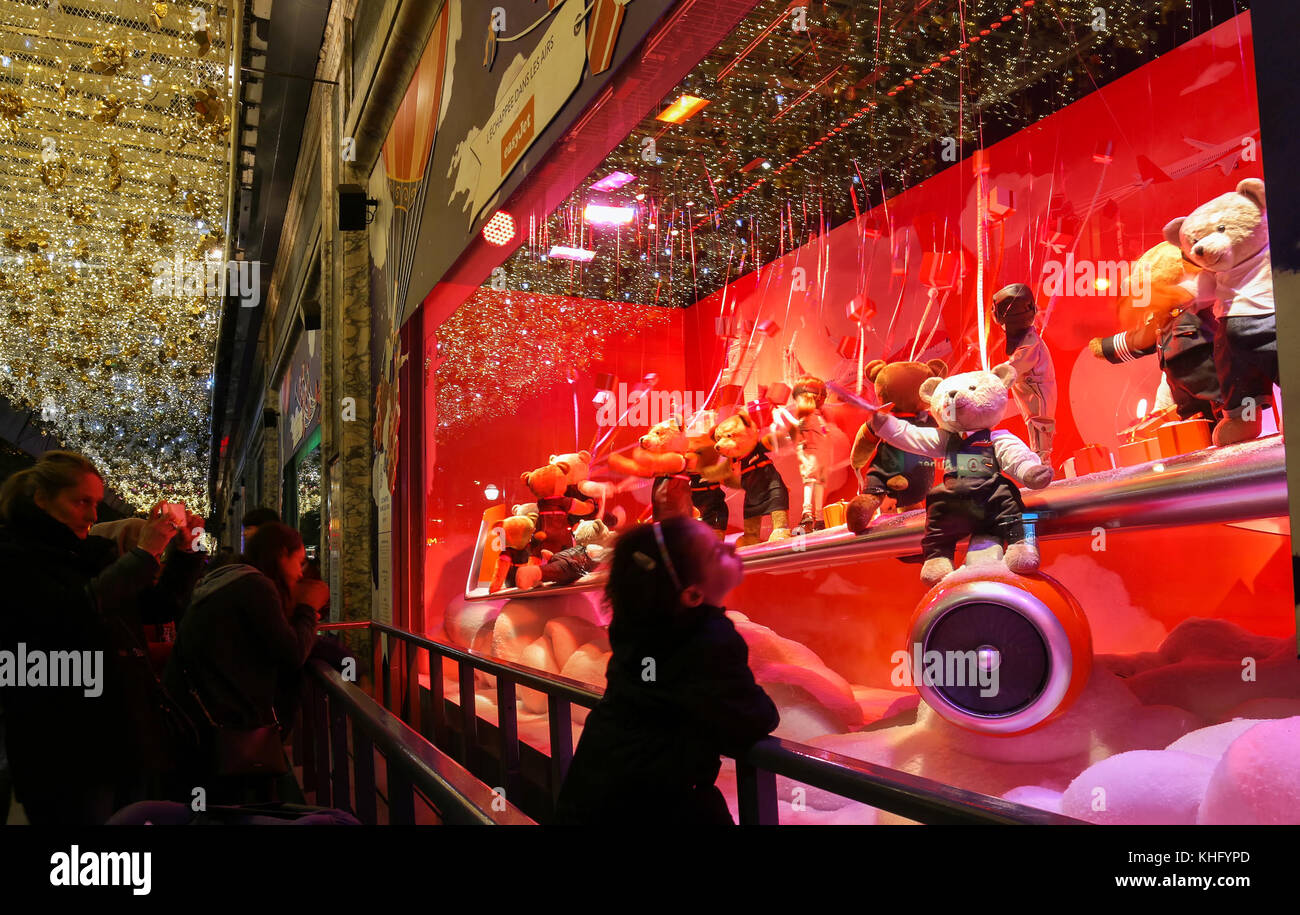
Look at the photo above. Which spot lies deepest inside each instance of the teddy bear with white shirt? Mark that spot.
(981, 467)
(1227, 237)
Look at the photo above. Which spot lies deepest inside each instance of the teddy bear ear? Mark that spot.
(552, 459)
(523, 477)
(1253, 189)
(938, 368)
(584, 456)
(1006, 373)
(928, 387)
(563, 465)
(1173, 232)
(874, 368)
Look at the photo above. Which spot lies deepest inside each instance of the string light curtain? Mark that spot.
(814, 118)
(114, 146)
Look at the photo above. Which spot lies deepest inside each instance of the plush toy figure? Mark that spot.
(548, 484)
(1227, 238)
(569, 565)
(581, 486)
(661, 455)
(1176, 326)
(883, 469)
(1035, 386)
(976, 497)
(516, 556)
(739, 438)
(709, 472)
(809, 433)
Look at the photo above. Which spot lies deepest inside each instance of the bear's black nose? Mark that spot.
(1199, 250)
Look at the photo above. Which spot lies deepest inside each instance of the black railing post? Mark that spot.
(320, 783)
(468, 716)
(438, 696)
(339, 754)
(413, 686)
(364, 753)
(401, 797)
(756, 796)
(508, 734)
(559, 716)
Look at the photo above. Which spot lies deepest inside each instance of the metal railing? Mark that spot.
(342, 729)
(397, 686)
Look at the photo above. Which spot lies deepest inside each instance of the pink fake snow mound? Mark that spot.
(1142, 787)
(1257, 780)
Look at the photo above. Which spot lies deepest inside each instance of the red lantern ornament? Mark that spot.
(778, 393)
(861, 310)
(760, 411)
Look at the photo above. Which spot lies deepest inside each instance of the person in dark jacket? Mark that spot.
(247, 633)
(679, 689)
(76, 753)
(161, 606)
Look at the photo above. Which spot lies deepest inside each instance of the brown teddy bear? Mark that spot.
(883, 469)
(661, 455)
(548, 484)
(1227, 237)
(581, 486)
(978, 495)
(709, 472)
(738, 437)
(516, 554)
(1174, 325)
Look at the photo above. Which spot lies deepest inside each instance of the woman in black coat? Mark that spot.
(76, 753)
(679, 689)
(249, 629)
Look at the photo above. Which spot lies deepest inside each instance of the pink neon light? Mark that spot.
(561, 252)
(613, 181)
(608, 216)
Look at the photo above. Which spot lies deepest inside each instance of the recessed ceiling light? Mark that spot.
(685, 107)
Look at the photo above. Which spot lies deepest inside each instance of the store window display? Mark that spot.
(941, 213)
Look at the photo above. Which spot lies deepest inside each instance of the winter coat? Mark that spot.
(66, 594)
(236, 648)
(650, 749)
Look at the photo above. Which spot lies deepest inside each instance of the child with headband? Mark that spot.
(679, 689)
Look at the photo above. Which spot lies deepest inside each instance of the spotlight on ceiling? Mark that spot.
(599, 215)
(685, 107)
(500, 229)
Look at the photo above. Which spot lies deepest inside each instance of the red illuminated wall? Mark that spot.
(502, 441)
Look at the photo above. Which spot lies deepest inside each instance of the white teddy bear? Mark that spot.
(978, 495)
(1228, 238)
